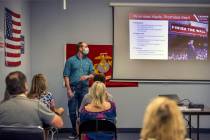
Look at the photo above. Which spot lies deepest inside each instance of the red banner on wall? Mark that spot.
(101, 55)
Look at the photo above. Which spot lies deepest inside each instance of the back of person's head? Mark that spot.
(98, 93)
(99, 77)
(163, 121)
(16, 83)
(38, 86)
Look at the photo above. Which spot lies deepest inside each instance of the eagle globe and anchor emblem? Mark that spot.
(104, 65)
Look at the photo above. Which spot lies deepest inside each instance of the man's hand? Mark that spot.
(84, 77)
(70, 94)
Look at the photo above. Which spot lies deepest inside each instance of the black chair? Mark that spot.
(21, 133)
(97, 126)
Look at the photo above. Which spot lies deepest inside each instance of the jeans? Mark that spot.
(74, 103)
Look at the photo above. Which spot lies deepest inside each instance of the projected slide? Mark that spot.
(168, 36)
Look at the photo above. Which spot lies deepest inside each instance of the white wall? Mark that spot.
(23, 8)
(91, 21)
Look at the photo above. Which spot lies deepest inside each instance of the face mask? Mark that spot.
(85, 51)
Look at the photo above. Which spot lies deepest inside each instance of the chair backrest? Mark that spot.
(21, 133)
(97, 126)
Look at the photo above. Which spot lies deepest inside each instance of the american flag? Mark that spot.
(1, 40)
(13, 39)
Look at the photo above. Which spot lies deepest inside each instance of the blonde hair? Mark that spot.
(38, 86)
(163, 121)
(98, 93)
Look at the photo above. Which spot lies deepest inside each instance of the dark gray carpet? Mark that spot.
(130, 136)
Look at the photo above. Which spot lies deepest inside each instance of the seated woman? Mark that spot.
(39, 90)
(87, 98)
(98, 108)
(163, 120)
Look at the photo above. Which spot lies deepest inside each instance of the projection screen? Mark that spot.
(125, 68)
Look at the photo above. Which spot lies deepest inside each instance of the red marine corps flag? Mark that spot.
(13, 38)
(101, 55)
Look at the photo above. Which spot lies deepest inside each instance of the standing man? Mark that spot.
(77, 71)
